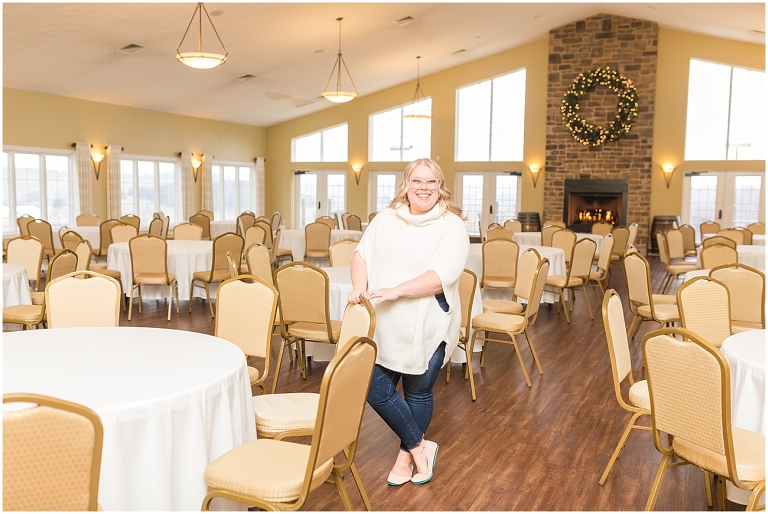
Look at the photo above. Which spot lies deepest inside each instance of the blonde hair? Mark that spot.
(444, 194)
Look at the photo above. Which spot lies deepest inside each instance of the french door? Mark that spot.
(731, 198)
(486, 197)
(318, 193)
(383, 188)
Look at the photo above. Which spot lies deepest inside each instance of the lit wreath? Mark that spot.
(626, 109)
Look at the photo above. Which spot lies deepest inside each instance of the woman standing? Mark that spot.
(408, 264)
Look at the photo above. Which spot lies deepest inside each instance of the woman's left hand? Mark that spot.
(384, 294)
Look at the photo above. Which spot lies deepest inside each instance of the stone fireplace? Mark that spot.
(588, 201)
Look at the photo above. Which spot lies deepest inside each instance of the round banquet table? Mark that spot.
(294, 240)
(184, 258)
(534, 239)
(222, 227)
(170, 401)
(90, 233)
(745, 353)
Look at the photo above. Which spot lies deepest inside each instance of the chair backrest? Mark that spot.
(513, 226)
(341, 252)
(537, 289)
(51, 455)
(105, 235)
(344, 217)
(661, 242)
(131, 219)
(467, 286)
(274, 222)
(709, 227)
(371, 216)
(166, 224)
(156, 227)
(245, 314)
(618, 345)
(204, 222)
(632, 234)
(354, 222)
(547, 232)
(149, 254)
(581, 260)
(498, 233)
(70, 239)
(304, 291)
(233, 264)
(245, 220)
(206, 213)
(328, 220)
(602, 228)
(737, 236)
(746, 289)
(267, 228)
(359, 320)
(718, 255)
(23, 221)
(689, 237)
(123, 232)
(675, 244)
(258, 259)
(718, 240)
(757, 228)
(87, 220)
(61, 264)
(705, 309)
(84, 252)
(275, 247)
(26, 251)
(554, 223)
(500, 258)
(565, 240)
(638, 273)
(620, 240)
(605, 252)
(747, 235)
(690, 388)
(254, 234)
(526, 273)
(83, 299)
(227, 242)
(187, 232)
(42, 230)
(317, 236)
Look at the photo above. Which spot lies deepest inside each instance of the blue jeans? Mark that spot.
(409, 415)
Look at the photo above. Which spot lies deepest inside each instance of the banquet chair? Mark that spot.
(149, 266)
(746, 288)
(498, 233)
(232, 265)
(83, 252)
(87, 220)
(62, 230)
(644, 305)
(672, 271)
(565, 239)
(467, 285)
(620, 243)
(245, 312)
(208, 214)
(354, 222)
(277, 253)
(304, 311)
(105, 237)
(51, 455)
(254, 234)
(690, 389)
(747, 235)
(737, 236)
(638, 400)
(602, 228)
(62, 263)
(70, 239)
(187, 232)
(257, 258)
(328, 220)
(344, 217)
(757, 228)
(274, 222)
(83, 299)
(282, 413)
(689, 240)
(42, 230)
(547, 233)
(341, 252)
(269, 473)
(203, 222)
(598, 278)
(633, 227)
(718, 240)
(156, 227)
(123, 232)
(500, 258)
(166, 224)
(227, 242)
(576, 275)
(27, 252)
(482, 231)
(317, 238)
(526, 269)
(22, 221)
(30, 316)
(371, 216)
(267, 228)
(131, 219)
(245, 220)
(717, 255)
(554, 223)
(511, 324)
(705, 309)
(708, 227)
(513, 226)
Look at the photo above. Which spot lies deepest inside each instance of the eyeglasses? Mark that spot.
(417, 183)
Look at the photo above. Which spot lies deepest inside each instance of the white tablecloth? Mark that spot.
(221, 227)
(745, 353)
(757, 239)
(15, 290)
(170, 401)
(293, 239)
(184, 258)
(534, 239)
(752, 255)
(90, 233)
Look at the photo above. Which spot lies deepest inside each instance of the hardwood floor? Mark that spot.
(515, 448)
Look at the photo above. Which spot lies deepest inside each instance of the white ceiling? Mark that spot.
(70, 49)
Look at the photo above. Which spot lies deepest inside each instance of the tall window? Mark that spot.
(383, 188)
(148, 186)
(395, 138)
(234, 190)
(487, 197)
(490, 119)
(726, 113)
(329, 145)
(41, 184)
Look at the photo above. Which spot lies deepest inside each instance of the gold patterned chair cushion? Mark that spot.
(154, 278)
(639, 395)
(560, 281)
(314, 331)
(503, 306)
(276, 413)
(748, 447)
(22, 314)
(664, 299)
(677, 269)
(743, 326)
(495, 322)
(498, 281)
(664, 312)
(218, 276)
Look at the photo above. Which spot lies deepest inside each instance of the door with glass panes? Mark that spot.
(487, 197)
(318, 193)
(383, 188)
(731, 198)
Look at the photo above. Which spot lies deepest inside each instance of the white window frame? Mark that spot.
(73, 191)
(218, 214)
(402, 149)
(373, 183)
(488, 198)
(178, 202)
(323, 149)
(322, 194)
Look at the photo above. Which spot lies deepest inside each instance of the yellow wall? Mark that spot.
(54, 122)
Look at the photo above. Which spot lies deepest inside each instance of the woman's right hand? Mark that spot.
(355, 295)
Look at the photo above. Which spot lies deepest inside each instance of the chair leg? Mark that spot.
(757, 492)
(303, 358)
(708, 488)
(565, 305)
(208, 296)
(170, 300)
(586, 299)
(359, 483)
(657, 482)
(338, 480)
(191, 290)
(140, 298)
(620, 445)
(279, 362)
(723, 493)
(482, 353)
(533, 350)
(130, 304)
(448, 372)
(469, 349)
(520, 358)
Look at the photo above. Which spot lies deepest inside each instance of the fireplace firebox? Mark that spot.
(588, 201)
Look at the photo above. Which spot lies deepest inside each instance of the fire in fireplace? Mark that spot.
(592, 200)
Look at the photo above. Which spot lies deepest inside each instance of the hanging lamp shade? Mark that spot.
(416, 111)
(338, 94)
(201, 60)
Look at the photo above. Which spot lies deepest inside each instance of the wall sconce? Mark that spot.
(669, 170)
(96, 159)
(535, 169)
(196, 163)
(357, 168)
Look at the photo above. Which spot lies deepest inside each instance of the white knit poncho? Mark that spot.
(398, 246)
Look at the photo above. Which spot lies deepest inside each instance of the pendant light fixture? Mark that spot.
(417, 112)
(201, 60)
(338, 95)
